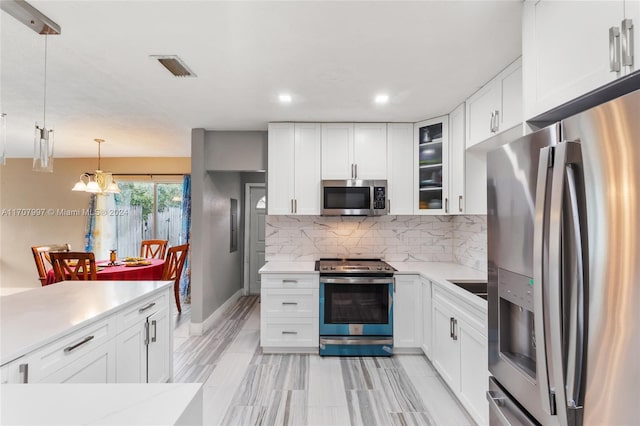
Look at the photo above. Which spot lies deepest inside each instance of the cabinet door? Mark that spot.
(431, 154)
(280, 174)
(96, 366)
(426, 317)
(632, 12)
(337, 151)
(370, 150)
(159, 348)
(307, 168)
(400, 168)
(474, 372)
(480, 108)
(566, 50)
(131, 365)
(446, 356)
(456, 159)
(510, 82)
(407, 312)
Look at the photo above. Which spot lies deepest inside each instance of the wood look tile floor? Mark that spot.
(242, 386)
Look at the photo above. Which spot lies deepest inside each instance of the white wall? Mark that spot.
(235, 151)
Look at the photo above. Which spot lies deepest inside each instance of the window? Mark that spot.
(154, 212)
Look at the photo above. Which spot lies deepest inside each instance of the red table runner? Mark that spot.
(151, 272)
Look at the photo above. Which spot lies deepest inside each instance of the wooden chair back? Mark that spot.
(42, 259)
(153, 249)
(173, 265)
(73, 266)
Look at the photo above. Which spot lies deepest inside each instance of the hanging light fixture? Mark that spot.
(43, 140)
(3, 138)
(102, 183)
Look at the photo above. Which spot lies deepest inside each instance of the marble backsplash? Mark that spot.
(460, 239)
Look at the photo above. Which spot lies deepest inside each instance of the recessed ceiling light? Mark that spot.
(382, 99)
(285, 98)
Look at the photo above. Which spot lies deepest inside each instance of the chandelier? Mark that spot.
(102, 183)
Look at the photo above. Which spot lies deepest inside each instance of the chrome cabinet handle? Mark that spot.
(460, 203)
(355, 175)
(289, 303)
(446, 205)
(627, 42)
(295, 205)
(614, 49)
(144, 308)
(290, 281)
(451, 327)
(496, 126)
(146, 333)
(493, 115)
(292, 205)
(352, 175)
(289, 332)
(455, 329)
(24, 370)
(77, 345)
(154, 323)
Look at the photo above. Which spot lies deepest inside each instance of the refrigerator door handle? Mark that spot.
(539, 274)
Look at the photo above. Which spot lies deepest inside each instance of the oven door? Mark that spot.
(356, 306)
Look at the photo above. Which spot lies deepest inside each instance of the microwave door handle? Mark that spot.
(539, 279)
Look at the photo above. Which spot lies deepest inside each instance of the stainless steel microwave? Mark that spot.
(354, 197)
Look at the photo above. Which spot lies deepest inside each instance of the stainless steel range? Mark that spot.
(356, 307)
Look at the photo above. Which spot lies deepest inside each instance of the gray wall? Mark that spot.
(235, 151)
(219, 161)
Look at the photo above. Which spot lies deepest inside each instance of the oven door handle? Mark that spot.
(356, 280)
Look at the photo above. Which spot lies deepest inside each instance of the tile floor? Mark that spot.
(244, 387)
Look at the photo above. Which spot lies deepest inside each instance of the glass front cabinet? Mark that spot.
(431, 141)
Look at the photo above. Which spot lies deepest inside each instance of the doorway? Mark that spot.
(254, 225)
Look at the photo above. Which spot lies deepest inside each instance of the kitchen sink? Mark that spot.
(476, 287)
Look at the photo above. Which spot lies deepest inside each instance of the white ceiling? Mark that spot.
(333, 57)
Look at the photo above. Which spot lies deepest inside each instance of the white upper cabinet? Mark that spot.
(457, 160)
(496, 107)
(431, 159)
(369, 150)
(571, 48)
(307, 168)
(354, 151)
(400, 168)
(280, 171)
(337, 150)
(294, 168)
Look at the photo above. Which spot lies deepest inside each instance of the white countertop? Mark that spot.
(101, 404)
(288, 268)
(33, 318)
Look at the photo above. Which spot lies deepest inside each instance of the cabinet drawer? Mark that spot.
(290, 302)
(301, 332)
(290, 281)
(461, 309)
(69, 349)
(141, 310)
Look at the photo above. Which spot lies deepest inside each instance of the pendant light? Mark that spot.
(43, 138)
(103, 182)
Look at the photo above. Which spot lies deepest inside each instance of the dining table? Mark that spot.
(122, 271)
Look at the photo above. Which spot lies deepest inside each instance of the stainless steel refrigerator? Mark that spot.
(564, 271)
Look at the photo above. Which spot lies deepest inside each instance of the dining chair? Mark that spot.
(73, 266)
(172, 271)
(43, 260)
(153, 249)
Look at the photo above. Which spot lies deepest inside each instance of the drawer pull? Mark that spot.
(24, 370)
(289, 332)
(289, 303)
(154, 323)
(289, 281)
(77, 345)
(144, 308)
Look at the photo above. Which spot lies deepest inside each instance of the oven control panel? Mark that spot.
(379, 198)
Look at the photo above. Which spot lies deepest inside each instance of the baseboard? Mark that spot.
(199, 328)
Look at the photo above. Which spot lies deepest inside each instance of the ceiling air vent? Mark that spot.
(175, 65)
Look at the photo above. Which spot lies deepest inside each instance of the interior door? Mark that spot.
(256, 236)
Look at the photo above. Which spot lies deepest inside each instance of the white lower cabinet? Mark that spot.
(407, 312)
(426, 317)
(460, 350)
(289, 317)
(130, 345)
